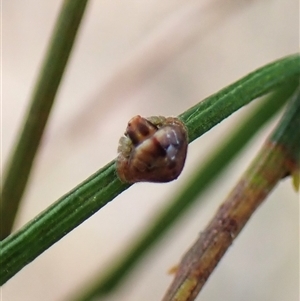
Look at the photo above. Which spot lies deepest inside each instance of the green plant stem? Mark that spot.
(214, 164)
(52, 70)
(20, 248)
(279, 156)
(238, 94)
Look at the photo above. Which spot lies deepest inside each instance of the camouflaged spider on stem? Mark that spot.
(152, 150)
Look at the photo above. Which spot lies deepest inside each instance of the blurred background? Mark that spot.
(149, 58)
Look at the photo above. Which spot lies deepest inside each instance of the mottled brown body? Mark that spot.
(152, 150)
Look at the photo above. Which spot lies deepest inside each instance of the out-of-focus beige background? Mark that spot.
(150, 58)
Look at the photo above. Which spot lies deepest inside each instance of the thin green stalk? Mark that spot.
(21, 161)
(20, 248)
(214, 164)
(236, 95)
(279, 156)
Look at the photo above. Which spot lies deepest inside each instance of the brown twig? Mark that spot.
(278, 157)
